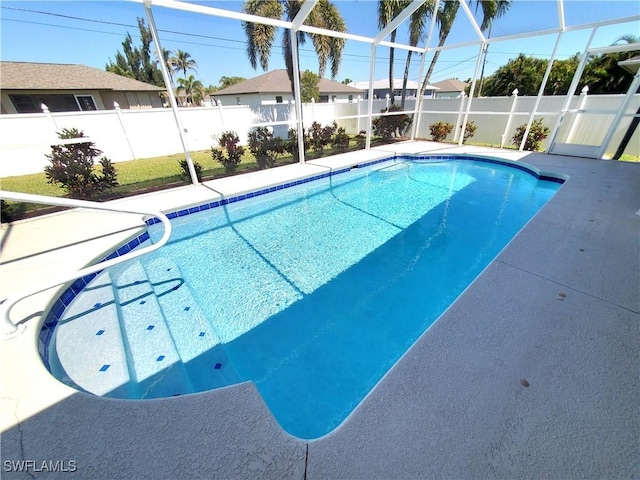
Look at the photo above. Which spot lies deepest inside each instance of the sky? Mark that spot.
(91, 32)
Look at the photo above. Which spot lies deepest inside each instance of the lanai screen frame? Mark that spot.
(379, 40)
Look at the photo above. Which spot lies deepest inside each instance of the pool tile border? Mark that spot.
(68, 295)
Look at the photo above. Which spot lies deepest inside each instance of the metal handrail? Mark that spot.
(9, 329)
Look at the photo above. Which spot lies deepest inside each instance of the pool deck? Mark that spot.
(559, 308)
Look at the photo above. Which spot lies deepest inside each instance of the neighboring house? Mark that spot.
(450, 88)
(381, 88)
(68, 88)
(274, 87)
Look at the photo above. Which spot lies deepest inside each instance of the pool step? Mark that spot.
(195, 339)
(154, 362)
(88, 340)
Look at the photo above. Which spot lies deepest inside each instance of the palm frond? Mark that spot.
(260, 37)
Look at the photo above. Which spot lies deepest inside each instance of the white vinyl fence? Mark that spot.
(123, 135)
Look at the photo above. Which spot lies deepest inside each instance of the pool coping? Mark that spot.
(43, 410)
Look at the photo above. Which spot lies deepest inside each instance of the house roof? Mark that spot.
(277, 81)
(59, 76)
(451, 85)
(384, 83)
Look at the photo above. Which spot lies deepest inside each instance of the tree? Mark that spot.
(168, 61)
(183, 61)
(135, 62)
(387, 11)
(346, 81)
(446, 14)
(524, 73)
(416, 33)
(193, 89)
(260, 37)
(309, 86)
(228, 81)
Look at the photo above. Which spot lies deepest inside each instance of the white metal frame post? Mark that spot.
(170, 92)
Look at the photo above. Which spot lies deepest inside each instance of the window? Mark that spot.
(350, 98)
(55, 103)
(324, 99)
(238, 100)
(86, 103)
(25, 103)
(333, 98)
(278, 98)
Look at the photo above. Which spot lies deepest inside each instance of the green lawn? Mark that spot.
(134, 176)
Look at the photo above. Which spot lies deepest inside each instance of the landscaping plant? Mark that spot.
(440, 130)
(340, 140)
(469, 131)
(291, 144)
(391, 125)
(230, 153)
(184, 166)
(537, 133)
(265, 147)
(72, 166)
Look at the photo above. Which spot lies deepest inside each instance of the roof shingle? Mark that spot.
(277, 81)
(59, 76)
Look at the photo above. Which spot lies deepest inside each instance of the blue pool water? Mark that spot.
(312, 292)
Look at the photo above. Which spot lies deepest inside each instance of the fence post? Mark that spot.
(46, 111)
(503, 137)
(456, 130)
(292, 114)
(358, 113)
(388, 98)
(221, 115)
(116, 105)
(583, 98)
(313, 110)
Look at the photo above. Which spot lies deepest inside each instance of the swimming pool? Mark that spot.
(313, 292)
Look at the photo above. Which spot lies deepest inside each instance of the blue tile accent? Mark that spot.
(104, 368)
(133, 243)
(111, 256)
(123, 250)
(206, 206)
(201, 334)
(143, 302)
(145, 236)
(97, 305)
(194, 210)
(184, 212)
(99, 332)
(160, 358)
(217, 366)
(150, 327)
(57, 309)
(67, 297)
(186, 309)
(77, 286)
(172, 215)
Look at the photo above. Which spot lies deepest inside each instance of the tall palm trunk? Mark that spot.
(405, 78)
(391, 55)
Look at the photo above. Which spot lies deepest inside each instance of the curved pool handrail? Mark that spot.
(9, 329)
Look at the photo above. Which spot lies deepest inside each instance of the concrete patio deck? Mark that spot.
(559, 307)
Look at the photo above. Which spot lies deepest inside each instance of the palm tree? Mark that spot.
(416, 33)
(260, 37)
(446, 14)
(387, 11)
(169, 62)
(183, 61)
(193, 89)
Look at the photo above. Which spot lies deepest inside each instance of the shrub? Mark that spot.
(229, 153)
(320, 136)
(537, 133)
(361, 139)
(291, 144)
(264, 147)
(10, 211)
(440, 130)
(185, 170)
(392, 125)
(340, 140)
(469, 131)
(72, 166)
